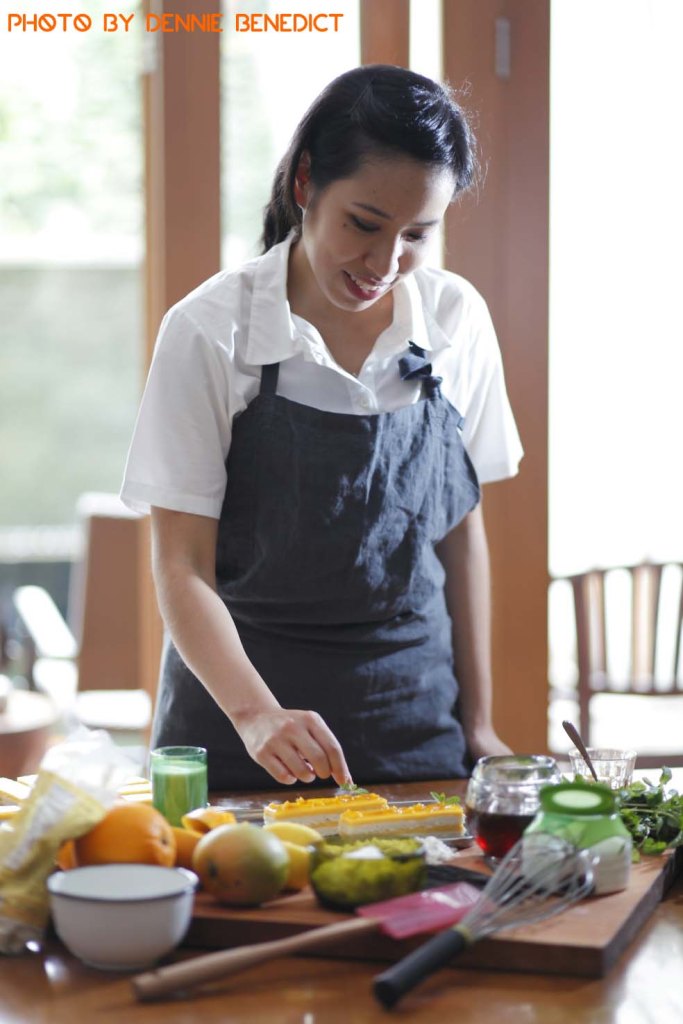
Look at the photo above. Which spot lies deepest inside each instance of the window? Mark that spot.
(268, 79)
(616, 358)
(71, 248)
(70, 256)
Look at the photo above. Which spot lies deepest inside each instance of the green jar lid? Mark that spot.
(578, 799)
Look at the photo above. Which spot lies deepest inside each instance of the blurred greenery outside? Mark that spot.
(72, 231)
(71, 325)
(69, 370)
(248, 156)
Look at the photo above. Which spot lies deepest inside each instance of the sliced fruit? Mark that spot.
(241, 865)
(185, 841)
(299, 866)
(203, 819)
(292, 832)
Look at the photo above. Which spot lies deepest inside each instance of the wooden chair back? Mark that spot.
(647, 646)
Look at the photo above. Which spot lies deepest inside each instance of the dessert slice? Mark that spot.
(413, 820)
(321, 813)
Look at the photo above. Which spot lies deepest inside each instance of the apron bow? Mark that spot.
(414, 365)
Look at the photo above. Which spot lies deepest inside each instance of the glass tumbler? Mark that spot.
(179, 781)
(614, 768)
(503, 797)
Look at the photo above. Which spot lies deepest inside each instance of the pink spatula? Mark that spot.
(399, 918)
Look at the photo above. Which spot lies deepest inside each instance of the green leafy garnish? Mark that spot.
(445, 801)
(351, 787)
(653, 816)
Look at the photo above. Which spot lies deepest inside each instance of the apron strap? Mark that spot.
(269, 375)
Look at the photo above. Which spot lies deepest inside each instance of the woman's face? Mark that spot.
(362, 234)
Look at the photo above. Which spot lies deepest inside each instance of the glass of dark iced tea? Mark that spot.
(503, 798)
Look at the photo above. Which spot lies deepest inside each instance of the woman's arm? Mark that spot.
(283, 741)
(465, 557)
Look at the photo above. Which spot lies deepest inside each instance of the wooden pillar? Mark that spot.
(182, 132)
(181, 97)
(385, 32)
(498, 239)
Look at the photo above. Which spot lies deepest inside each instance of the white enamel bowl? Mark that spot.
(121, 916)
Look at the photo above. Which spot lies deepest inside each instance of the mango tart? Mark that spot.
(321, 813)
(416, 819)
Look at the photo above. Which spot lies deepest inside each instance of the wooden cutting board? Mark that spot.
(585, 940)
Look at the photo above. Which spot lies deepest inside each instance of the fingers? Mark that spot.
(335, 762)
(298, 746)
(275, 767)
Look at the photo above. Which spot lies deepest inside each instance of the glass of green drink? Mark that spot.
(179, 781)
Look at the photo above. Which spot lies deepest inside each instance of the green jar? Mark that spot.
(586, 816)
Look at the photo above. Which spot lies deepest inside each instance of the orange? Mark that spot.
(185, 839)
(128, 834)
(66, 856)
(241, 865)
(203, 819)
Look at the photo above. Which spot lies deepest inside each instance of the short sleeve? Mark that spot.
(489, 433)
(182, 433)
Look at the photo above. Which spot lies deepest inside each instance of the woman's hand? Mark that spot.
(485, 742)
(292, 745)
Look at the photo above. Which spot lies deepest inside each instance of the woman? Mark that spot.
(301, 446)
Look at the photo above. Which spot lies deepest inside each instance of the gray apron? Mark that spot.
(325, 559)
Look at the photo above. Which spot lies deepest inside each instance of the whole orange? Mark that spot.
(129, 833)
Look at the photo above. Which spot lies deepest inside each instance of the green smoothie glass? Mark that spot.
(179, 781)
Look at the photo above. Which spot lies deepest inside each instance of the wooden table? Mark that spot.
(644, 988)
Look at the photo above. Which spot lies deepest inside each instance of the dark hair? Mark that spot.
(363, 112)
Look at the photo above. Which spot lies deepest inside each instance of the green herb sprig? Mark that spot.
(353, 789)
(653, 816)
(445, 801)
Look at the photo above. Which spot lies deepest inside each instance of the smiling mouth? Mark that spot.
(369, 290)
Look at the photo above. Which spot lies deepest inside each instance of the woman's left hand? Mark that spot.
(485, 742)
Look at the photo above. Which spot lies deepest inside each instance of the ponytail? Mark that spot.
(282, 213)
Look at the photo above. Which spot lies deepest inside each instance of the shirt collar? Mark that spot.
(424, 331)
(273, 335)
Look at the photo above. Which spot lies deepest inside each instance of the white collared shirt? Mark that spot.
(207, 368)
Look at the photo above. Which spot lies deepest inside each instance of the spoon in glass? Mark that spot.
(573, 734)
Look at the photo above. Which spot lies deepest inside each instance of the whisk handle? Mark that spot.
(418, 965)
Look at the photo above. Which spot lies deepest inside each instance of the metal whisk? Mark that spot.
(530, 884)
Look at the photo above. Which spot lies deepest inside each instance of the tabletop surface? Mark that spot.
(644, 986)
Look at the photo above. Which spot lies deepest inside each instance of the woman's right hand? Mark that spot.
(293, 746)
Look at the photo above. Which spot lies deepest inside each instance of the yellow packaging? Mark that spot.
(55, 811)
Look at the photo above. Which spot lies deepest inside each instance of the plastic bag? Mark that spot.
(77, 783)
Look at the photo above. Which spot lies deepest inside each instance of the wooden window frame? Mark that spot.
(498, 239)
